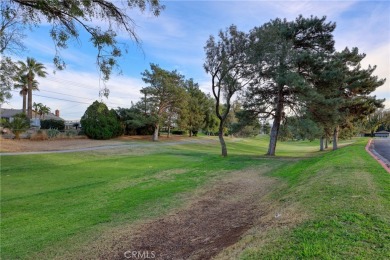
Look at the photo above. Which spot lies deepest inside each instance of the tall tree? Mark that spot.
(69, 18)
(193, 115)
(163, 94)
(355, 88)
(226, 63)
(31, 69)
(283, 55)
(135, 120)
(44, 110)
(22, 84)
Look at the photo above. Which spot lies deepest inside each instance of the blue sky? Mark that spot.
(176, 38)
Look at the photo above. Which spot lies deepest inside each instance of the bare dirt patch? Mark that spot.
(25, 145)
(215, 218)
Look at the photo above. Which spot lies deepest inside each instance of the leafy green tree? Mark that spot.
(163, 95)
(210, 123)
(8, 73)
(341, 97)
(265, 127)
(226, 63)
(71, 17)
(98, 122)
(354, 89)
(192, 115)
(385, 120)
(135, 121)
(31, 69)
(282, 55)
(242, 123)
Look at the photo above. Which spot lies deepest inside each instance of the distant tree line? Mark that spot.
(170, 101)
(286, 72)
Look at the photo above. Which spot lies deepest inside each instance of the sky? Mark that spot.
(175, 40)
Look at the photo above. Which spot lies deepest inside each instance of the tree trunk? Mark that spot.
(335, 137)
(24, 102)
(29, 101)
(326, 142)
(276, 126)
(155, 134)
(190, 134)
(169, 131)
(321, 143)
(221, 140)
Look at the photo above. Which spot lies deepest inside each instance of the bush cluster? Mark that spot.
(53, 124)
(179, 132)
(98, 122)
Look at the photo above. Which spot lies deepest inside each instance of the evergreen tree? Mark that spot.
(163, 95)
(226, 63)
(284, 56)
(192, 116)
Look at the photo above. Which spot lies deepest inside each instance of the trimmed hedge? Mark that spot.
(179, 132)
(53, 124)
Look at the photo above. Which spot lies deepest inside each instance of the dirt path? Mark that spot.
(22, 147)
(214, 220)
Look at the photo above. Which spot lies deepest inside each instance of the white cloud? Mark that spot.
(380, 57)
(72, 92)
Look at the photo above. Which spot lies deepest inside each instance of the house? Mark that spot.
(72, 124)
(384, 134)
(8, 114)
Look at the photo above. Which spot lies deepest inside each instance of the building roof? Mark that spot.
(10, 112)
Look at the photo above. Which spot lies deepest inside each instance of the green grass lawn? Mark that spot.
(61, 200)
(347, 195)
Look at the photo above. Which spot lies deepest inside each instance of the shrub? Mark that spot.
(18, 125)
(39, 136)
(98, 122)
(71, 133)
(136, 122)
(52, 133)
(52, 123)
(178, 132)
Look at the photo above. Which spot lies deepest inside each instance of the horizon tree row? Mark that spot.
(169, 101)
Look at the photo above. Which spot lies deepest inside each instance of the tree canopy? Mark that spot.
(98, 122)
(226, 63)
(291, 68)
(68, 19)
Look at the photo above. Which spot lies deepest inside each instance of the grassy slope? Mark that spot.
(59, 198)
(347, 194)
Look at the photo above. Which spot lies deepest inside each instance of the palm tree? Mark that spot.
(23, 86)
(18, 125)
(37, 108)
(44, 110)
(31, 68)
